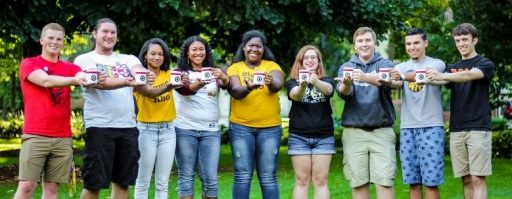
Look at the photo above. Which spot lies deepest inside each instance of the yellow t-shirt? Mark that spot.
(260, 108)
(156, 109)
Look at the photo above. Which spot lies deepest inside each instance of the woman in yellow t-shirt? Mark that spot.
(255, 122)
(157, 137)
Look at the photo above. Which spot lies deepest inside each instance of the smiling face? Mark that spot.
(310, 60)
(466, 45)
(364, 44)
(196, 54)
(415, 46)
(253, 51)
(52, 42)
(155, 56)
(106, 37)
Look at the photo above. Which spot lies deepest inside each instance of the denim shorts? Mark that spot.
(422, 153)
(300, 145)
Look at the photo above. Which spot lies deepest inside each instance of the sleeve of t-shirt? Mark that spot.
(438, 65)
(73, 69)
(232, 70)
(132, 60)
(84, 62)
(487, 67)
(275, 66)
(289, 86)
(27, 67)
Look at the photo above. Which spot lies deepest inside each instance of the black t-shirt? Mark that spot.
(311, 117)
(470, 109)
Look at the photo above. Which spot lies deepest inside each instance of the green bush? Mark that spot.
(12, 126)
(502, 144)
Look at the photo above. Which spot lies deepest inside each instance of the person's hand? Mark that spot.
(347, 81)
(129, 81)
(358, 75)
(395, 74)
(303, 83)
(268, 78)
(150, 77)
(220, 75)
(81, 79)
(250, 86)
(185, 78)
(433, 74)
(313, 78)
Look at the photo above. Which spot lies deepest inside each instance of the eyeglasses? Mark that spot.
(314, 57)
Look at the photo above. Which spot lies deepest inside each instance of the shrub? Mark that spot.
(502, 144)
(12, 126)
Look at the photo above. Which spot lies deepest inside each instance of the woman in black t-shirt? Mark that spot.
(310, 141)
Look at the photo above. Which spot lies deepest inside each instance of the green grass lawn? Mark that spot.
(497, 183)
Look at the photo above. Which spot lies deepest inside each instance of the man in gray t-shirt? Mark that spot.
(421, 126)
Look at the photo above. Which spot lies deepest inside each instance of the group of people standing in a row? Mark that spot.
(134, 130)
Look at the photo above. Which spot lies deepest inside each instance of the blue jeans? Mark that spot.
(157, 142)
(255, 147)
(201, 150)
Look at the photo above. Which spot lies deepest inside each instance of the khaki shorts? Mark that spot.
(471, 153)
(49, 156)
(369, 156)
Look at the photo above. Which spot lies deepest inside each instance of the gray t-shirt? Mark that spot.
(421, 104)
(109, 108)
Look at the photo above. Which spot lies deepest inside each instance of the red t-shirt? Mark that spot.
(47, 110)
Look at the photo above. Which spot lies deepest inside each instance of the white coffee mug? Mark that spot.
(175, 77)
(140, 77)
(421, 76)
(92, 76)
(347, 72)
(304, 75)
(384, 74)
(206, 74)
(258, 78)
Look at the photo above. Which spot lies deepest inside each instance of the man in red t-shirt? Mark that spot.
(46, 140)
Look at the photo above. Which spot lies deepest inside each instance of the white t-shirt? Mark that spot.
(109, 108)
(200, 111)
(421, 104)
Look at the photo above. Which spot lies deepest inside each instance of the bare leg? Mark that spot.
(119, 191)
(361, 192)
(302, 168)
(385, 192)
(415, 191)
(468, 187)
(25, 189)
(320, 166)
(50, 190)
(90, 194)
(479, 187)
(432, 192)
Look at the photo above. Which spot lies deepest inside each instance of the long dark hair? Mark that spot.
(165, 49)
(97, 26)
(267, 53)
(184, 63)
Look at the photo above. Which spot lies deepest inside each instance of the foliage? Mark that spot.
(11, 127)
(502, 144)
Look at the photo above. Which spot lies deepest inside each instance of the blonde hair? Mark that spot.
(297, 65)
(363, 30)
(51, 26)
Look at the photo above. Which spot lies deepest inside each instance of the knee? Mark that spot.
(27, 186)
(52, 188)
(478, 181)
(320, 181)
(302, 180)
(466, 180)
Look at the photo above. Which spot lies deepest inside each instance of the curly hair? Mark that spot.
(184, 62)
(165, 49)
(267, 53)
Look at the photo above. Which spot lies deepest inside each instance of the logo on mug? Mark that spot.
(259, 79)
(207, 75)
(93, 78)
(177, 79)
(421, 76)
(304, 77)
(384, 76)
(142, 78)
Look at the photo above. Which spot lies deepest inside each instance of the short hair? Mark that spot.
(165, 49)
(97, 26)
(184, 63)
(416, 31)
(297, 65)
(465, 29)
(267, 53)
(364, 30)
(51, 26)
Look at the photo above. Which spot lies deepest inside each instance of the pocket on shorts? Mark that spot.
(90, 168)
